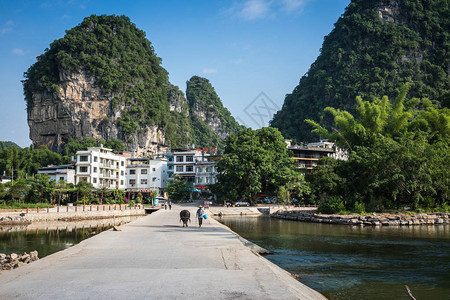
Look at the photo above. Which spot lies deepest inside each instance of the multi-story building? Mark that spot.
(61, 172)
(338, 152)
(101, 167)
(146, 174)
(206, 170)
(184, 164)
(307, 157)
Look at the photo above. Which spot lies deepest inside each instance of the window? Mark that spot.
(83, 169)
(83, 158)
(94, 180)
(61, 178)
(199, 180)
(143, 181)
(144, 171)
(189, 158)
(121, 182)
(121, 173)
(179, 158)
(95, 169)
(170, 158)
(122, 163)
(189, 168)
(179, 168)
(170, 167)
(95, 158)
(154, 169)
(132, 172)
(132, 182)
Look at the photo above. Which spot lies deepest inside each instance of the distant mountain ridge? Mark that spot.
(103, 80)
(374, 48)
(9, 144)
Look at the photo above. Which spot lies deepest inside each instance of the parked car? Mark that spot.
(242, 203)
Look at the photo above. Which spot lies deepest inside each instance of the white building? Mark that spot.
(146, 174)
(206, 170)
(101, 167)
(338, 152)
(184, 164)
(61, 172)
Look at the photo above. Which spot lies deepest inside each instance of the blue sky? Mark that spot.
(253, 51)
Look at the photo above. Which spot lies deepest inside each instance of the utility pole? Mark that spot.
(12, 183)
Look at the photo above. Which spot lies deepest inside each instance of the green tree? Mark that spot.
(84, 189)
(398, 155)
(254, 161)
(179, 189)
(41, 189)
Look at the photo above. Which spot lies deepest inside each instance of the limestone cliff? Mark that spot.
(103, 80)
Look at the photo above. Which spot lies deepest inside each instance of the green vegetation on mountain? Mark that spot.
(26, 161)
(8, 144)
(399, 156)
(375, 47)
(124, 64)
(211, 121)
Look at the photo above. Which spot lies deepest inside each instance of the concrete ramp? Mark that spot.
(154, 257)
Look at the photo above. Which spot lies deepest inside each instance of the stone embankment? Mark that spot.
(366, 220)
(12, 220)
(67, 213)
(14, 260)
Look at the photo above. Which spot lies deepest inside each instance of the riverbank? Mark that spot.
(154, 257)
(365, 220)
(69, 213)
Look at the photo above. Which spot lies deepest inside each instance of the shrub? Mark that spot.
(360, 208)
(331, 205)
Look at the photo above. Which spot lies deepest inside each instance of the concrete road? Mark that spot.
(155, 258)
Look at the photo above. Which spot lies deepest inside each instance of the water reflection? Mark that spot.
(50, 237)
(346, 262)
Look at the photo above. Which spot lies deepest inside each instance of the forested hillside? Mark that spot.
(103, 80)
(375, 47)
(211, 121)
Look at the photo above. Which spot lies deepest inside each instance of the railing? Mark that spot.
(83, 208)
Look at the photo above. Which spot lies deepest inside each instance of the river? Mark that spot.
(50, 237)
(347, 262)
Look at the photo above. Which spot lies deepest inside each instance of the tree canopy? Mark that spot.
(374, 48)
(254, 161)
(399, 154)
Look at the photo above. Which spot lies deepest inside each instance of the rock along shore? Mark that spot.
(14, 260)
(363, 220)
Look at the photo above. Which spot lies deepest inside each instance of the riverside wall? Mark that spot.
(66, 213)
(365, 220)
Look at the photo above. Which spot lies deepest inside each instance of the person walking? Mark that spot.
(200, 213)
(165, 205)
(170, 205)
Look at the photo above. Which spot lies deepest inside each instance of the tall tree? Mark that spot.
(254, 161)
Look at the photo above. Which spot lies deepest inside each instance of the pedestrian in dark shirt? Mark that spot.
(170, 205)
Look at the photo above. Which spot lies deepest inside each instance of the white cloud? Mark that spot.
(293, 5)
(209, 71)
(7, 27)
(261, 9)
(254, 9)
(17, 51)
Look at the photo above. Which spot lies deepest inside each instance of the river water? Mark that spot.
(347, 262)
(50, 237)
